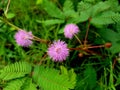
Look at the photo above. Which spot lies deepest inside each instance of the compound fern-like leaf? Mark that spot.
(70, 74)
(103, 18)
(51, 79)
(28, 85)
(16, 70)
(15, 84)
(52, 9)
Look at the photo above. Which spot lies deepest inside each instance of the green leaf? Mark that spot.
(115, 48)
(118, 79)
(84, 16)
(71, 74)
(114, 4)
(103, 18)
(90, 75)
(10, 15)
(52, 9)
(90, 1)
(51, 22)
(109, 35)
(83, 13)
(82, 6)
(61, 31)
(68, 5)
(15, 84)
(116, 17)
(81, 83)
(68, 9)
(16, 70)
(100, 7)
(64, 70)
(39, 2)
(51, 79)
(2, 48)
(69, 15)
(28, 85)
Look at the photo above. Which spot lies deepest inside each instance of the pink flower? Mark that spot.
(70, 30)
(58, 51)
(23, 38)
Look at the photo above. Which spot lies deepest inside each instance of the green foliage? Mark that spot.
(87, 81)
(39, 1)
(100, 7)
(111, 78)
(68, 9)
(111, 36)
(16, 70)
(85, 10)
(2, 48)
(82, 6)
(52, 9)
(48, 78)
(82, 14)
(51, 21)
(68, 5)
(103, 14)
(70, 74)
(15, 84)
(90, 1)
(46, 19)
(91, 78)
(98, 12)
(20, 84)
(28, 85)
(118, 81)
(108, 17)
(10, 15)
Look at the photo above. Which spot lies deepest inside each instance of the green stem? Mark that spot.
(7, 7)
(40, 40)
(12, 25)
(17, 28)
(78, 39)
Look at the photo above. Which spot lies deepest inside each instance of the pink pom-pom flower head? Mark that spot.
(58, 51)
(70, 30)
(23, 38)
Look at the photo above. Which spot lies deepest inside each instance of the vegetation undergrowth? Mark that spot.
(59, 45)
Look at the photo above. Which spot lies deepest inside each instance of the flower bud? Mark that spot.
(108, 45)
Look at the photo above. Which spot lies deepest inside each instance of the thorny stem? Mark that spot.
(7, 7)
(85, 41)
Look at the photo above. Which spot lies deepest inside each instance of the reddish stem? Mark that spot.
(100, 46)
(43, 58)
(85, 41)
(75, 48)
(115, 60)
